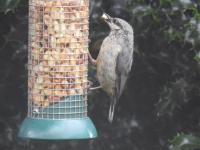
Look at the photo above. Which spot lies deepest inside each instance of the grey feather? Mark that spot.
(114, 61)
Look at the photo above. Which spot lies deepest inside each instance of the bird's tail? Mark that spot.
(112, 109)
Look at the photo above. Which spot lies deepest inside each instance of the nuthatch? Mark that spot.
(115, 58)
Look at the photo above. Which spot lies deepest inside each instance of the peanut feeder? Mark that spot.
(57, 71)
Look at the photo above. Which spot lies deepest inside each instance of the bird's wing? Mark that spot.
(123, 67)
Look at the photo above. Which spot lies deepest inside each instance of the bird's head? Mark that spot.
(117, 23)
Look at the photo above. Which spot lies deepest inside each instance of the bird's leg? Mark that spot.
(92, 60)
(95, 88)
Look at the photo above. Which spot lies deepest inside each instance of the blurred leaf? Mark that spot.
(172, 97)
(166, 2)
(197, 57)
(185, 142)
(8, 5)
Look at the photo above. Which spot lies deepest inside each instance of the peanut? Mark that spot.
(58, 56)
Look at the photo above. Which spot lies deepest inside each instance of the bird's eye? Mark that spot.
(115, 21)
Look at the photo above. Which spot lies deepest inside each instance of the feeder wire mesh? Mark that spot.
(58, 59)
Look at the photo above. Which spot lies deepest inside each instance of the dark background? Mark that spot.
(160, 107)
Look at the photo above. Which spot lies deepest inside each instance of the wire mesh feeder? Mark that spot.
(57, 71)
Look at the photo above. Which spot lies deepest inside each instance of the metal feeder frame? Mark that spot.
(57, 71)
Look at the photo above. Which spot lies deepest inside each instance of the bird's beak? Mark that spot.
(106, 17)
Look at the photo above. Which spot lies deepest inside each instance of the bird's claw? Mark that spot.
(90, 83)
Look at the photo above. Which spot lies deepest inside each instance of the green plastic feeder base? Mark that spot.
(66, 129)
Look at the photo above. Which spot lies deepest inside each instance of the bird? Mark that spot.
(114, 61)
